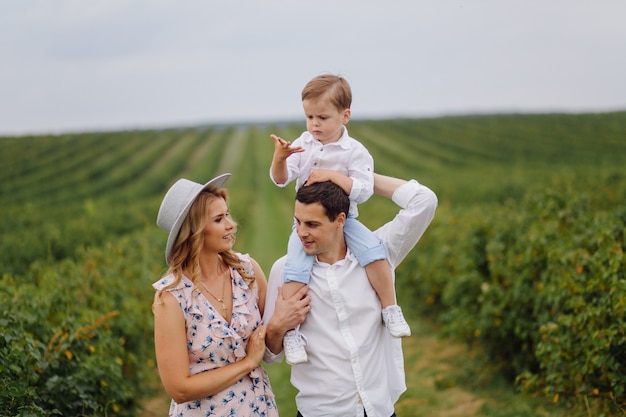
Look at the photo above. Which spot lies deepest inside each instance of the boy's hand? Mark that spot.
(321, 175)
(282, 148)
(336, 177)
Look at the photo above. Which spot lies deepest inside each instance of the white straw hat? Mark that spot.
(176, 205)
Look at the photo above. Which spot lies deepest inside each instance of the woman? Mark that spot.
(209, 338)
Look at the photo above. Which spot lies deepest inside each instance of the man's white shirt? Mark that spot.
(354, 364)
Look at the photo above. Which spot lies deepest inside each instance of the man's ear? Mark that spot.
(341, 219)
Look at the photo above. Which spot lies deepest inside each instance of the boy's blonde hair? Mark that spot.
(336, 89)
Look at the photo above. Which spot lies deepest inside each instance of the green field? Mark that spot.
(80, 250)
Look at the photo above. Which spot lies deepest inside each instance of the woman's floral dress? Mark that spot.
(212, 342)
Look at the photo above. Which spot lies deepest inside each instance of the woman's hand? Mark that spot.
(256, 346)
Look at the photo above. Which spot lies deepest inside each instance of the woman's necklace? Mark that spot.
(219, 300)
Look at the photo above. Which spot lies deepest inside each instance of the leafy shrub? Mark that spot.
(77, 372)
(74, 337)
(540, 284)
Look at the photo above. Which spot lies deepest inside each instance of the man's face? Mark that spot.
(319, 236)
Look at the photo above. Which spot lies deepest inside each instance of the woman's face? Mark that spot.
(219, 232)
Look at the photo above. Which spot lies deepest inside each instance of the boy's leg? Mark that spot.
(379, 276)
(296, 274)
(299, 264)
(291, 287)
(371, 254)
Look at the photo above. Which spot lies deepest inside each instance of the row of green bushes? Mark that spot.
(76, 335)
(539, 283)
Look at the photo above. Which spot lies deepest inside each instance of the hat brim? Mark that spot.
(171, 239)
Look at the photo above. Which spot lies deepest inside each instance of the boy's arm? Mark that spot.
(359, 183)
(282, 150)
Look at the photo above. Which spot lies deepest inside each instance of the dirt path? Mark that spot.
(432, 368)
(157, 406)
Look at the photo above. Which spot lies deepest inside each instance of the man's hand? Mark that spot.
(292, 311)
(288, 314)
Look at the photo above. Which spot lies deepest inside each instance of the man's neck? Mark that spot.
(335, 254)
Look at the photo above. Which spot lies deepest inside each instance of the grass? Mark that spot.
(446, 378)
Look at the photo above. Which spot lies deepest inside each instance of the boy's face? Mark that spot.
(323, 120)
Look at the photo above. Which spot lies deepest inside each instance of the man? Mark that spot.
(355, 367)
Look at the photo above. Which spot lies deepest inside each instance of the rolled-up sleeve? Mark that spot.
(270, 357)
(362, 174)
(418, 205)
(292, 171)
(274, 281)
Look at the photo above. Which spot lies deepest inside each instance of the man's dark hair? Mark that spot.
(328, 194)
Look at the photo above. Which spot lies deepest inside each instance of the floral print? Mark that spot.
(213, 342)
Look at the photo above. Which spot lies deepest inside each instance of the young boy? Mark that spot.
(325, 152)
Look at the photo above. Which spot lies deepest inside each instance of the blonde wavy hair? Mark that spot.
(188, 244)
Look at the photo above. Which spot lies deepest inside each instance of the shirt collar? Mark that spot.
(348, 258)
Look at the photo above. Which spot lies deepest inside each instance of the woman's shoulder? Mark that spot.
(170, 279)
(252, 268)
(246, 261)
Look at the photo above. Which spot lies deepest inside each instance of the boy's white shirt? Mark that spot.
(347, 156)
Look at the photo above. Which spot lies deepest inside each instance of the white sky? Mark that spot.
(77, 65)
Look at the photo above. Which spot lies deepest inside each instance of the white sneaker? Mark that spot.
(395, 322)
(294, 343)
